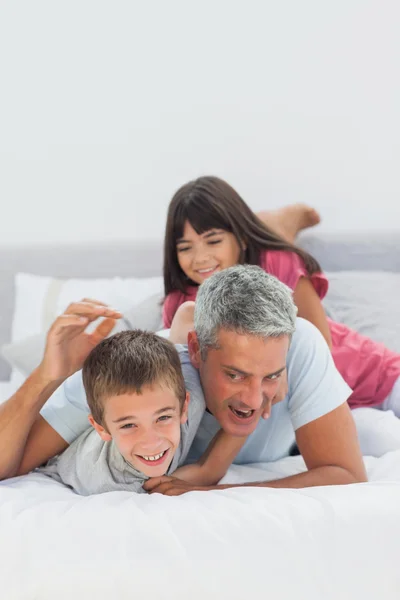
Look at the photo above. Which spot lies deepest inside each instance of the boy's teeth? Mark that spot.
(155, 456)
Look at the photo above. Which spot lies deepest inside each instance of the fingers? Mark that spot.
(152, 483)
(68, 321)
(92, 301)
(163, 488)
(102, 330)
(92, 310)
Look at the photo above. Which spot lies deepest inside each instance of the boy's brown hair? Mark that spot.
(126, 362)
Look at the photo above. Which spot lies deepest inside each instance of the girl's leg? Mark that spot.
(379, 428)
(182, 323)
(290, 220)
(392, 402)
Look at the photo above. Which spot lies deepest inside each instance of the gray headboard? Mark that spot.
(376, 251)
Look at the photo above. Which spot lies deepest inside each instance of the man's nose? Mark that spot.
(253, 398)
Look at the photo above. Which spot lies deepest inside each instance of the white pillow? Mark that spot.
(38, 299)
(367, 301)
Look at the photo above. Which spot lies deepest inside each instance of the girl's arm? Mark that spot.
(310, 308)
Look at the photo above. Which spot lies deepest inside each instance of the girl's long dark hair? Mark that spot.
(211, 203)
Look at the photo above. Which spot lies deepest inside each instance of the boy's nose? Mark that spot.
(150, 441)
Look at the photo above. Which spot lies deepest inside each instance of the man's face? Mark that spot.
(241, 378)
(145, 427)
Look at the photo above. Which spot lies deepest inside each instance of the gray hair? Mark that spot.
(245, 299)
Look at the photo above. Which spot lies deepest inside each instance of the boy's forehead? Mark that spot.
(149, 399)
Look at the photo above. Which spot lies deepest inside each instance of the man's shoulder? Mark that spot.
(189, 371)
(308, 354)
(306, 335)
(192, 383)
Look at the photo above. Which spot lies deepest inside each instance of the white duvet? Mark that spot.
(329, 543)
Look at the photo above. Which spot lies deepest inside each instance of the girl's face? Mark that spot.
(202, 255)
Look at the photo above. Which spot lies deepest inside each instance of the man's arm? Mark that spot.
(26, 439)
(330, 449)
(20, 423)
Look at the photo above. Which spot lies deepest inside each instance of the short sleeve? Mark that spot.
(171, 305)
(197, 403)
(289, 267)
(66, 411)
(315, 385)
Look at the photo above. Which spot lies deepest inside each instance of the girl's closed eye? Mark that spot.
(183, 249)
(213, 242)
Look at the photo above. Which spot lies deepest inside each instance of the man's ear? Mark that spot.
(194, 349)
(105, 436)
(184, 412)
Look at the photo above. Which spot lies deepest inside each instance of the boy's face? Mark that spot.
(145, 427)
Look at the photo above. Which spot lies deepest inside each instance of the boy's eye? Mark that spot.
(165, 418)
(128, 426)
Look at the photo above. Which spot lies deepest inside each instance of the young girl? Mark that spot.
(209, 228)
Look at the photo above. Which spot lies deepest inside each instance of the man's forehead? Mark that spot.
(245, 348)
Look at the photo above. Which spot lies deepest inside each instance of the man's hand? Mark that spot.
(68, 344)
(171, 486)
(279, 396)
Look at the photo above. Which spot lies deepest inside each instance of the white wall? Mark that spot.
(106, 107)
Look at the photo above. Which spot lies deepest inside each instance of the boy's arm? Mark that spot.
(214, 463)
(26, 439)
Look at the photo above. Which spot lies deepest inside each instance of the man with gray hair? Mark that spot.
(246, 337)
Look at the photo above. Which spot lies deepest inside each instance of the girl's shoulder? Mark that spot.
(280, 260)
(289, 267)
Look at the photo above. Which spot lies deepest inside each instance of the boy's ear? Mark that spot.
(105, 436)
(184, 413)
(194, 349)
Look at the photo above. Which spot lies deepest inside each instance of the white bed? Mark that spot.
(328, 543)
(324, 543)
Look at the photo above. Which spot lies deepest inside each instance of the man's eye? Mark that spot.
(234, 376)
(274, 376)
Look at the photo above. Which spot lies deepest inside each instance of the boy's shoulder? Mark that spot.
(92, 466)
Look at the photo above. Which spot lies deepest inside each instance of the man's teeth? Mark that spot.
(242, 413)
(154, 457)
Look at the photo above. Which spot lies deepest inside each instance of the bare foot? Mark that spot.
(290, 220)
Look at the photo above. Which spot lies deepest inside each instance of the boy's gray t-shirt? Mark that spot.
(91, 466)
